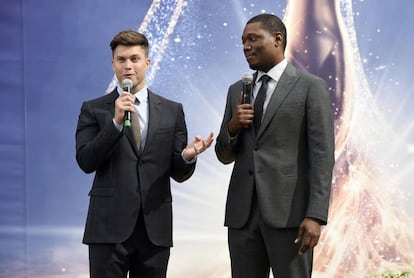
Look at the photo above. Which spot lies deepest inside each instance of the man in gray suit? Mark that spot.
(283, 154)
(129, 223)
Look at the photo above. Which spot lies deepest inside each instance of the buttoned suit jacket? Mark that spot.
(289, 161)
(126, 181)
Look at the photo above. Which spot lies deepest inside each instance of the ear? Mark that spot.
(148, 62)
(278, 37)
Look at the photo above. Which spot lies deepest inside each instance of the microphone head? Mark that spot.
(127, 85)
(247, 78)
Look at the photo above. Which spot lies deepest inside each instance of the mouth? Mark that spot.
(128, 76)
(249, 57)
(248, 54)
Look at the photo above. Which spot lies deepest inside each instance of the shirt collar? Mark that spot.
(275, 73)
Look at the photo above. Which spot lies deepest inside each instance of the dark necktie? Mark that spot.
(258, 103)
(136, 130)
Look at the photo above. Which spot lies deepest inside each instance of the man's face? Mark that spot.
(130, 62)
(260, 47)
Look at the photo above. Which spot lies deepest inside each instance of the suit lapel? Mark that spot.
(154, 115)
(282, 90)
(131, 139)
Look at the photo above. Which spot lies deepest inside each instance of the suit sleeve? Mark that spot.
(225, 145)
(181, 170)
(321, 144)
(96, 136)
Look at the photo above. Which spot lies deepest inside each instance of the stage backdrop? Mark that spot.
(55, 54)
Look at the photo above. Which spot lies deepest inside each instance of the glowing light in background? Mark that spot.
(369, 231)
(158, 25)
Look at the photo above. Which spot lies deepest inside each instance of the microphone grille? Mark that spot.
(247, 77)
(127, 84)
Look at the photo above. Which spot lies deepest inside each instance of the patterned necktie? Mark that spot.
(258, 103)
(136, 130)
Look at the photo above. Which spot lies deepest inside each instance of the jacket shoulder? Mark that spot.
(160, 99)
(106, 97)
(292, 70)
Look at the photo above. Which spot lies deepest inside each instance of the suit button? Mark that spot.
(251, 172)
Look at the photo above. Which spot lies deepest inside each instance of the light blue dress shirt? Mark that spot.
(141, 106)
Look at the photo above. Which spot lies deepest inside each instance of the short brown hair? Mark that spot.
(130, 38)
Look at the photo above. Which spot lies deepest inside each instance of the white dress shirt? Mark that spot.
(274, 74)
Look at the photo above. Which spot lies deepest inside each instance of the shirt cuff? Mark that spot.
(232, 139)
(117, 126)
(188, 161)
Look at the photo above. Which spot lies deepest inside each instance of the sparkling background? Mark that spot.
(196, 54)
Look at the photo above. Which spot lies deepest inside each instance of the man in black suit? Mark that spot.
(129, 223)
(280, 186)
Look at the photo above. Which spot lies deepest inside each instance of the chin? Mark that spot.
(253, 66)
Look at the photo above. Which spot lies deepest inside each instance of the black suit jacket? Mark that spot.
(289, 162)
(126, 182)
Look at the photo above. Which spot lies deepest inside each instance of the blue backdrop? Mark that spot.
(55, 54)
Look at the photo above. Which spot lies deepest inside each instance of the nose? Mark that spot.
(246, 46)
(128, 64)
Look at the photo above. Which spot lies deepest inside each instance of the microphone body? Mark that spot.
(247, 87)
(247, 80)
(126, 87)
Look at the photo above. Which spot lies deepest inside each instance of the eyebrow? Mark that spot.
(250, 34)
(131, 56)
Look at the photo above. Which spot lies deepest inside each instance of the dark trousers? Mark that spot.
(136, 256)
(256, 248)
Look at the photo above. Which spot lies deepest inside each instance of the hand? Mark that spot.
(197, 146)
(308, 235)
(242, 117)
(125, 102)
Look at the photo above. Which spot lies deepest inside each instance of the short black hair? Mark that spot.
(272, 24)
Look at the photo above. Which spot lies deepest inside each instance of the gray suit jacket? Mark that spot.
(290, 161)
(126, 182)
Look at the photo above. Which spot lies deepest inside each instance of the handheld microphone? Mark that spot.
(247, 90)
(126, 86)
(247, 87)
